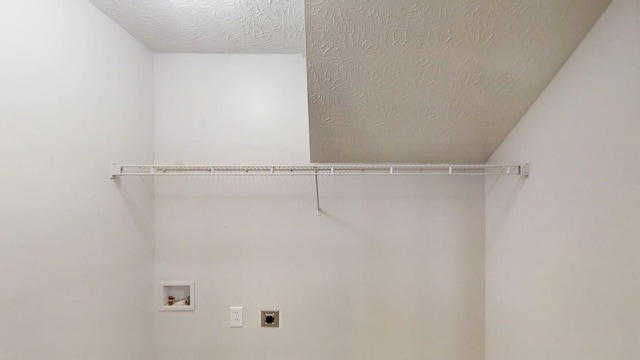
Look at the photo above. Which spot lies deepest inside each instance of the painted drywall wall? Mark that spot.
(76, 249)
(231, 109)
(563, 256)
(394, 269)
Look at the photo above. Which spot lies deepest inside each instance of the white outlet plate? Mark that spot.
(235, 313)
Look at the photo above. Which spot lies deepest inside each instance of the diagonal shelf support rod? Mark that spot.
(317, 196)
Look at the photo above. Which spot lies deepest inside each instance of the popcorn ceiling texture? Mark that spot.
(389, 81)
(431, 81)
(212, 26)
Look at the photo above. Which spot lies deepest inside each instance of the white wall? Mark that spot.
(393, 270)
(231, 109)
(76, 249)
(563, 248)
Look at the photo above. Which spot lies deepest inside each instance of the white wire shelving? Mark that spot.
(118, 170)
(318, 170)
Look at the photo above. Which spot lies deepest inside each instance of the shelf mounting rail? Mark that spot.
(316, 170)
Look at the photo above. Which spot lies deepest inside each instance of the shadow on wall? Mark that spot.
(503, 192)
(136, 193)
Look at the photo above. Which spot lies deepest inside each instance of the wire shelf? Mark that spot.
(318, 170)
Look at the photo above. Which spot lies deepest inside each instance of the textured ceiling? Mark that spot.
(431, 81)
(212, 26)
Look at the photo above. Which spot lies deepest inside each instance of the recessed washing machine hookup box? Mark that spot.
(176, 295)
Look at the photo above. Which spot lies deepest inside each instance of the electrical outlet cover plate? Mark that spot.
(270, 318)
(235, 313)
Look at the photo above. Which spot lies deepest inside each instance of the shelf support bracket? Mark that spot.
(116, 170)
(319, 211)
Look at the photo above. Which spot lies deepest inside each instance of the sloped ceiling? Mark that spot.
(212, 26)
(433, 81)
(439, 81)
